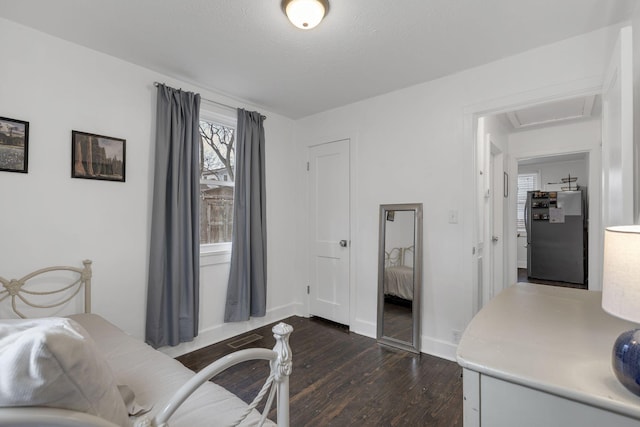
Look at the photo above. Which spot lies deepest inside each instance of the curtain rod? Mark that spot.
(215, 102)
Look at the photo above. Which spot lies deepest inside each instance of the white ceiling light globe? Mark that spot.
(305, 14)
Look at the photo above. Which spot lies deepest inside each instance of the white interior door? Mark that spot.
(330, 237)
(617, 135)
(481, 248)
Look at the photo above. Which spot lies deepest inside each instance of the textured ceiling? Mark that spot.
(248, 50)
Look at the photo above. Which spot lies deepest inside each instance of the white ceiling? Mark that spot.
(552, 112)
(247, 48)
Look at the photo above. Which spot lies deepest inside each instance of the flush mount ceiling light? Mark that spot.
(305, 14)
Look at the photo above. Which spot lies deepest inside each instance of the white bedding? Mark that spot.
(398, 281)
(154, 377)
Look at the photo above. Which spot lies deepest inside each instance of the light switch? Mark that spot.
(453, 216)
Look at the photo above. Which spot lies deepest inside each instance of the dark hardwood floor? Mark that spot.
(344, 379)
(398, 320)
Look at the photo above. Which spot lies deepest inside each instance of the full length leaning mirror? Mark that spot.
(400, 275)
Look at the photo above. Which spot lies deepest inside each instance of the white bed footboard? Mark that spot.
(278, 381)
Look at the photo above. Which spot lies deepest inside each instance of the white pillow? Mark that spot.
(53, 362)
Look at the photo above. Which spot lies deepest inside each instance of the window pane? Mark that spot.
(217, 161)
(526, 182)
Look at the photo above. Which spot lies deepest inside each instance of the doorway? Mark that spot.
(552, 217)
(610, 158)
(503, 151)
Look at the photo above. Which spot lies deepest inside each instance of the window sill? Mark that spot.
(214, 254)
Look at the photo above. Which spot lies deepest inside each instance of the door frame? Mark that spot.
(492, 202)
(354, 323)
(620, 71)
(581, 87)
(498, 202)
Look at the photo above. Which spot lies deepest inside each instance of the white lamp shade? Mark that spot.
(621, 272)
(305, 14)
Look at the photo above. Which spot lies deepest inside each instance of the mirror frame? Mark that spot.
(414, 345)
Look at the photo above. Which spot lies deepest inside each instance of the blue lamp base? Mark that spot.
(626, 360)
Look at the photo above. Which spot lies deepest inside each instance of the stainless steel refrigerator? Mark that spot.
(556, 224)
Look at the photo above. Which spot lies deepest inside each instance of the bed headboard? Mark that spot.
(19, 289)
(397, 257)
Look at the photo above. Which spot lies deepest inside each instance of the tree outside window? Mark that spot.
(217, 161)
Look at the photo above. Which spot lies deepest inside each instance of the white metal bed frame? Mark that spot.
(15, 288)
(396, 256)
(277, 383)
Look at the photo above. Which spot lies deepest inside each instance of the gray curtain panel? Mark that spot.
(247, 287)
(174, 263)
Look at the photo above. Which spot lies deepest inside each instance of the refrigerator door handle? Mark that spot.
(526, 219)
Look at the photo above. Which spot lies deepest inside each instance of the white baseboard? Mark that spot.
(438, 348)
(431, 346)
(221, 332)
(364, 327)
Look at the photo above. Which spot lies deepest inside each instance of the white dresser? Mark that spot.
(540, 355)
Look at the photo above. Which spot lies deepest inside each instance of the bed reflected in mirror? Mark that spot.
(400, 275)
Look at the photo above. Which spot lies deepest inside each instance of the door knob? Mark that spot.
(494, 239)
(343, 243)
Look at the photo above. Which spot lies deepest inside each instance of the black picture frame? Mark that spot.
(97, 157)
(14, 145)
(505, 183)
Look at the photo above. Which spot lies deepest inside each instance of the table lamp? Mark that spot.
(621, 298)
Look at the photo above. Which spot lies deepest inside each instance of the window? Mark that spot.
(217, 161)
(526, 182)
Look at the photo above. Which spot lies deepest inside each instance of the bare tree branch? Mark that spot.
(221, 139)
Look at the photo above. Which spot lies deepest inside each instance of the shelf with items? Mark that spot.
(541, 203)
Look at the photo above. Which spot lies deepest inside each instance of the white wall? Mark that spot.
(48, 218)
(400, 233)
(574, 137)
(498, 131)
(552, 173)
(419, 132)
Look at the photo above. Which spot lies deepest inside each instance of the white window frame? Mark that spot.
(520, 206)
(217, 253)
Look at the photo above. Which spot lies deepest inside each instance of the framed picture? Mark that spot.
(97, 156)
(14, 145)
